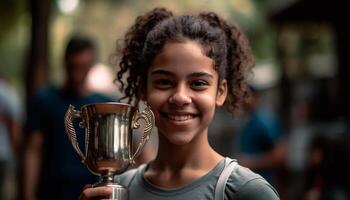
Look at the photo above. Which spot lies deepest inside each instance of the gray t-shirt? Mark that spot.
(242, 184)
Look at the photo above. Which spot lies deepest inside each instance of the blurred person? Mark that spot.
(326, 175)
(261, 145)
(314, 181)
(10, 125)
(52, 169)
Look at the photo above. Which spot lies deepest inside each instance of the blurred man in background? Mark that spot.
(52, 169)
(261, 144)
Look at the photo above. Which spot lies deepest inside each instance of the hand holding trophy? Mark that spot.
(108, 139)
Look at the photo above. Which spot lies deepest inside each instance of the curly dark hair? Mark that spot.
(221, 41)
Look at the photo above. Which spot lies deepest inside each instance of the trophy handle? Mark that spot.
(148, 116)
(70, 115)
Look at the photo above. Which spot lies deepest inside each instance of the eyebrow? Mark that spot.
(162, 72)
(193, 75)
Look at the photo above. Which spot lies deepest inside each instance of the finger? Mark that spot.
(90, 193)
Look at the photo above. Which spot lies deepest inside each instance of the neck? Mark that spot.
(79, 90)
(178, 165)
(198, 154)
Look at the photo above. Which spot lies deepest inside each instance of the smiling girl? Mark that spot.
(185, 67)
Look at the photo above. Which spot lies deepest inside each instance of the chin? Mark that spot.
(178, 138)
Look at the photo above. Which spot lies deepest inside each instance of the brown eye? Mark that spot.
(199, 84)
(163, 83)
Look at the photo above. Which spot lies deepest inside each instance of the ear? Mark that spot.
(221, 93)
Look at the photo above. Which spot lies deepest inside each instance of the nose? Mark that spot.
(180, 96)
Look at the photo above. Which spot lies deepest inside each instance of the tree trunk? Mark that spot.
(38, 65)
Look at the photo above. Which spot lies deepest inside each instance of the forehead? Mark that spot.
(182, 57)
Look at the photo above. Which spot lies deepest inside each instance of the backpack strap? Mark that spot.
(230, 165)
(129, 177)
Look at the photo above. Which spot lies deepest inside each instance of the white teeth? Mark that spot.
(180, 117)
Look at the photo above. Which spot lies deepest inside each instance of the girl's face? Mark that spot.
(183, 91)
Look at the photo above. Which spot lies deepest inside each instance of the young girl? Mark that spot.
(184, 67)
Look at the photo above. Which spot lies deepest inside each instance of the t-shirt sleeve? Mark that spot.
(98, 97)
(125, 178)
(256, 189)
(244, 184)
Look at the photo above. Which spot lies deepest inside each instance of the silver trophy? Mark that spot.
(108, 139)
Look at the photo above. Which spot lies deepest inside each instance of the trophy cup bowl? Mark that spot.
(108, 139)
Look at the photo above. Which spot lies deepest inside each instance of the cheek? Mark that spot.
(155, 98)
(206, 102)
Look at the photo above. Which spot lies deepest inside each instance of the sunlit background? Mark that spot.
(106, 21)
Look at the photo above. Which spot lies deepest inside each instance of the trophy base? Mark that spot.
(119, 192)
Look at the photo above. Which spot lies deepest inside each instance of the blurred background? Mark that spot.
(301, 80)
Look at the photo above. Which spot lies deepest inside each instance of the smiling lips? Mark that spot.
(179, 117)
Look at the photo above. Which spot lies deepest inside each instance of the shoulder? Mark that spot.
(46, 92)
(101, 97)
(128, 176)
(257, 189)
(245, 184)
(43, 97)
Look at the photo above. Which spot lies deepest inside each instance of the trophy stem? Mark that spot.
(108, 178)
(119, 192)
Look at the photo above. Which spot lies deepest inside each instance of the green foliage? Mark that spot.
(107, 20)
(14, 35)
